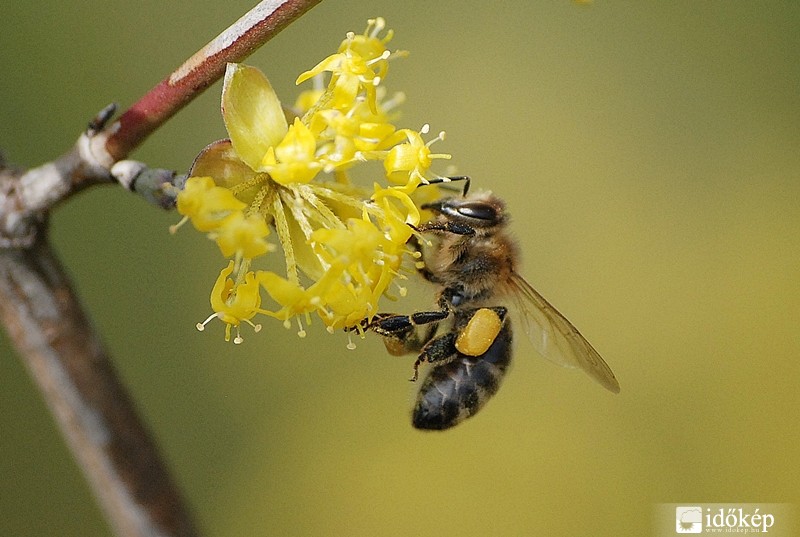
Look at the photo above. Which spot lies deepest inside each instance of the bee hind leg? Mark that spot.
(440, 349)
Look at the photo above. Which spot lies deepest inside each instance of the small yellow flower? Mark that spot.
(359, 66)
(347, 305)
(399, 213)
(293, 299)
(207, 205)
(234, 304)
(308, 98)
(355, 249)
(407, 163)
(243, 237)
(293, 160)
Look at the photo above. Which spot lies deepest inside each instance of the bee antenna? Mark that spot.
(441, 180)
(466, 180)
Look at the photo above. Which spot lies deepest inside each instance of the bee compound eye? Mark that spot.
(477, 210)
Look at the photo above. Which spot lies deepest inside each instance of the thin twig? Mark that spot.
(67, 360)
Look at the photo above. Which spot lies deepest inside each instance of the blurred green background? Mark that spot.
(650, 155)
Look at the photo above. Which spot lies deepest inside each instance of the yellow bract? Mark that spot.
(252, 113)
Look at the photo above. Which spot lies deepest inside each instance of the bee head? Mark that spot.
(482, 209)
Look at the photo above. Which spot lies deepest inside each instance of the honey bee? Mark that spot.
(468, 253)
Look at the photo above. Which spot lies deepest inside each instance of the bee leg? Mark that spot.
(399, 332)
(439, 349)
(387, 324)
(447, 227)
(452, 179)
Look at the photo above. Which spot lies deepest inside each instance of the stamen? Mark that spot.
(396, 100)
(174, 228)
(259, 179)
(441, 136)
(384, 56)
(256, 327)
(282, 228)
(202, 326)
(301, 332)
(425, 129)
(379, 23)
(400, 289)
(238, 339)
(299, 211)
(350, 345)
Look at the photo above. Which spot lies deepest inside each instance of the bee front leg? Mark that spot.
(449, 226)
(400, 332)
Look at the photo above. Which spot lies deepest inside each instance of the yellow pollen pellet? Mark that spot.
(480, 332)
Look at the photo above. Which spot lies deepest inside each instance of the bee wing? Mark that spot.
(556, 338)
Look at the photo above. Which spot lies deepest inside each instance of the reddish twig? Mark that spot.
(201, 70)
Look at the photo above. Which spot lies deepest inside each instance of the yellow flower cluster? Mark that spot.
(343, 244)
